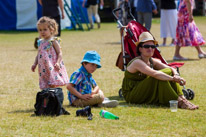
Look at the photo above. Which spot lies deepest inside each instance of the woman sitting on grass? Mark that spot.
(148, 81)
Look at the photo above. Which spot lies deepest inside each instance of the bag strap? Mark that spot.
(133, 60)
(150, 60)
(151, 63)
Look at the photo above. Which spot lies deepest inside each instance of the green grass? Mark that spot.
(18, 88)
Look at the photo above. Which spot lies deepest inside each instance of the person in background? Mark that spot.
(92, 9)
(123, 15)
(52, 71)
(148, 81)
(168, 21)
(50, 9)
(145, 8)
(133, 4)
(82, 88)
(187, 33)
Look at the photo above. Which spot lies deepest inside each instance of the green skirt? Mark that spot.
(142, 89)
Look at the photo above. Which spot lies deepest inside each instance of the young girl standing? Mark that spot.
(52, 72)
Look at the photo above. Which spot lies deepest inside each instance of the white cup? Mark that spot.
(173, 105)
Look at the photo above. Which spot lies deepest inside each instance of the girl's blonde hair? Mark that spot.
(52, 25)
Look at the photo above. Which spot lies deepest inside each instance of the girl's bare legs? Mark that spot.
(173, 41)
(164, 41)
(199, 50)
(201, 53)
(177, 52)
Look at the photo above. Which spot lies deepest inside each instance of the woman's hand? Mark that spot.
(190, 18)
(179, 80)
(189, 9)
(155, 11)
(63, 15)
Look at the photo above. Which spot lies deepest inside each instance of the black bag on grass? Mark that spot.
(49, 102)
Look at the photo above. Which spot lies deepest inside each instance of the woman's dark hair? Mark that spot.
(137, 49)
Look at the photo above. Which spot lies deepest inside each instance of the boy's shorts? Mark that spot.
(97, 99)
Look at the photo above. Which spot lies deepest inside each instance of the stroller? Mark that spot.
(128, 49)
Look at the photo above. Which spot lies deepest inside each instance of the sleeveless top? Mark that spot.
(150, 60)
(93, 2)
(168, 4)
(50, 8)
(137, 76)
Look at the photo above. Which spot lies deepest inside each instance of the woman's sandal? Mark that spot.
(196, 107)
(185, 104)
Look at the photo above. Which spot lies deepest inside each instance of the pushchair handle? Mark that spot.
(117, 9)
(118, 21)
(114, 11)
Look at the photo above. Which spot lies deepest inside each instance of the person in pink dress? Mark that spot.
(52, 71)
(187, 33)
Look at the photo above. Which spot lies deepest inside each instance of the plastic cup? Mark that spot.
(173, 105)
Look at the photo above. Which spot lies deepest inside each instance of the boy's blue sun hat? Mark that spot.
(92, 57)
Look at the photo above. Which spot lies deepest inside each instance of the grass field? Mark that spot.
(18, 88)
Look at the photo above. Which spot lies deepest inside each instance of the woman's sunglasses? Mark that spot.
(149, 46)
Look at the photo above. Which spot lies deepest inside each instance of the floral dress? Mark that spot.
(187, 33)
(47, 57)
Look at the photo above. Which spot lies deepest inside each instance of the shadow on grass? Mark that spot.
(30, 111)
(182, 61)
(22, 111)
(31, 50)
(113, 43)
(123, 103)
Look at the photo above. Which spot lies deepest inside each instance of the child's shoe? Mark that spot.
(109, 103)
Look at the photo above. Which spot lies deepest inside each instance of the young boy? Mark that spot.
(83, 90)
